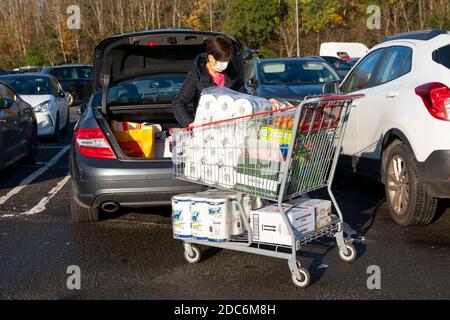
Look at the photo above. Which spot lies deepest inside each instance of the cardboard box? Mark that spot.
(322, 210)
(269, 227)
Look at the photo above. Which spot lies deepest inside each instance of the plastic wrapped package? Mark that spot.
(219, 103)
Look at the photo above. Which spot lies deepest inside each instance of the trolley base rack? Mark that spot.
(300, 276)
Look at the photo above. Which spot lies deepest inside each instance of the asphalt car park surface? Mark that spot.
(133, 255)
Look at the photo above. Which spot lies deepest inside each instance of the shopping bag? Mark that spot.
(136, 140)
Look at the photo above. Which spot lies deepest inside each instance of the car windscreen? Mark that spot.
(149, 90)
(30, 85)
(297, 73)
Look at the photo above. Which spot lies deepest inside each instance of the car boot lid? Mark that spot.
(135, 55)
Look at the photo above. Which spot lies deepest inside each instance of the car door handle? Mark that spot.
(392, 95)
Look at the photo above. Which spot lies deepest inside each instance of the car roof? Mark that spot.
(302, 59)
(68, 66)
(24, 75)
(423, 35)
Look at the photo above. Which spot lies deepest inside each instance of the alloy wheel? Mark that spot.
(398, 185)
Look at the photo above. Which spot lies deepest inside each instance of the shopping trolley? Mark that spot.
(277, 155)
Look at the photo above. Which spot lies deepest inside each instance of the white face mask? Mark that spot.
(220, 66)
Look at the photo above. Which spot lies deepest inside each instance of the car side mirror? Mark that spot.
(251, 82)
(6, 102)
(331, 87)
(82, 109)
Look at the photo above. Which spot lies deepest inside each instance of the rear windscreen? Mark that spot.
(148, 90)
(442, 56)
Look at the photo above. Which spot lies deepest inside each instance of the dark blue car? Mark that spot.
(288, 78)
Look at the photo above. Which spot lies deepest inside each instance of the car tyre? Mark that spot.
(82, 214)
(408, 202)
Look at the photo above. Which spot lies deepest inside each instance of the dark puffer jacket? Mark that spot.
(197, 80)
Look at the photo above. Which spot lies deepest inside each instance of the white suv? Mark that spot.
(400, 131)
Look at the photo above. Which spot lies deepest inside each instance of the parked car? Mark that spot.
(27, 69)
(353, 61)
(343, 50)
(288, 78)
(400, 132)
(76, 81)
(18, 128)
(249, 54)
(103, 177)
(45, 95)
(342, 67)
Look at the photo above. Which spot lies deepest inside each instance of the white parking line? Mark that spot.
(41, 205)
(33, 176)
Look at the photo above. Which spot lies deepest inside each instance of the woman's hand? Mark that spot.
(191, 125)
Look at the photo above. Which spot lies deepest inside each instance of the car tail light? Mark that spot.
(92, 143)
(436, 97)
(151, 44)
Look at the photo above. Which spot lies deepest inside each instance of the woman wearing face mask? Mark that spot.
(213, 68)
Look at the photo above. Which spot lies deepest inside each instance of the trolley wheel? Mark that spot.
(196, 256)
(351, 256)
(305, 278)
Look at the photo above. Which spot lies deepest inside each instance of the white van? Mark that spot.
(343, 50)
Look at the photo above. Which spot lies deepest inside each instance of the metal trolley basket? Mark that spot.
(276, 155)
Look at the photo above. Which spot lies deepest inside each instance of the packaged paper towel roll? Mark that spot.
(243, 107)
(207, 102)
(224, 108)
(193, 170)
(211, 155)
(205, 113)
(227, 177)
(227, 135)
(210, 173)
(262, 105)
(181, 216)
(218, 218)
(228, 157)
(199, 217)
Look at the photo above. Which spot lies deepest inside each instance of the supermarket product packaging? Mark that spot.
(269, 226)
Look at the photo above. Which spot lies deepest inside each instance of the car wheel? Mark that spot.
(82, 214)
(57, 133)
(70, 98)
(408, 201)
(30, 158)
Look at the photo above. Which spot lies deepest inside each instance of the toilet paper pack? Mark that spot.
(181, 216)
(199, 216)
